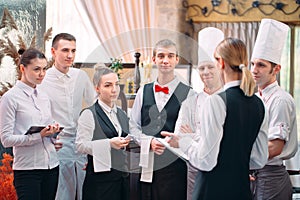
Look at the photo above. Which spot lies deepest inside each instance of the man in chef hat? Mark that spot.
(188, 118)
(272, 181)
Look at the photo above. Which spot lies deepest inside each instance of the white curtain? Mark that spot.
(245, 31)
(104, 29)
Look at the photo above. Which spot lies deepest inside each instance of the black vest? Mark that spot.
(230, 177)
(105, 129)
(153, 121)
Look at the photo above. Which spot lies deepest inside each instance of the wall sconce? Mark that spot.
(215, 2)
(234, 11)
(279, 6)
(204, 10)
(255, 4)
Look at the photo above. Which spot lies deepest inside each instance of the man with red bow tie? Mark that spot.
(156, 107)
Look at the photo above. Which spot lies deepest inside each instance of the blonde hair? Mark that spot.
(100, 70)
(233, 51)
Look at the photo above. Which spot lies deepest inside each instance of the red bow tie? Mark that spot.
(161, 89)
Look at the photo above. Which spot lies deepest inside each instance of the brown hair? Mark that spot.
(62, 36)
(164, 43)
(233, 51)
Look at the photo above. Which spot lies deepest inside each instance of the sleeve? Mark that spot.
(85, 132)
(280, 118)
(186, 114)
(8, 108)
(283, 125)
(203, 154)
(135, 116)
(259, 154)
(89, 92)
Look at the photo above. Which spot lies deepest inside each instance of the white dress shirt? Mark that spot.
(86, 127)
(67, 93)
(100, 149)
(161, 100)
(203, 153)
(190, 113)
(20, 108)
(282, 123)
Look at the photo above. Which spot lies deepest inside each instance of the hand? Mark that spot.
(57, 144)
(157, 147)
(171, 138)
(185, 129)
(118, 142)
(252, 178)
(50, 130)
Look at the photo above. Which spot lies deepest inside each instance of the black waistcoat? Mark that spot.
(230, 177)
(105, 129)
(153, 121)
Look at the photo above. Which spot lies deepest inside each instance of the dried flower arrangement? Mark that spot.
(8, 48)
(7, 190)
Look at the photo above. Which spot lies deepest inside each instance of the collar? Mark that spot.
(106, 108)
(26, 88)
(231, 84)
(59, 74)
(171, 85)
(269, 88)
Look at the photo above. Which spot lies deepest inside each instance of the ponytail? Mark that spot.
(248, 83)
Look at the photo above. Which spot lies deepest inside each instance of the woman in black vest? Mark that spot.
(233, 131)
(102, 129)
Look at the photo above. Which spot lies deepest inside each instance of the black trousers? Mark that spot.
(99, 186)
(38, 184)
(169, 183)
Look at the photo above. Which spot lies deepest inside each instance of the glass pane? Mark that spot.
(30, 18)
(297, 76)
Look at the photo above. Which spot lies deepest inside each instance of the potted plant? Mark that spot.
(116, 65)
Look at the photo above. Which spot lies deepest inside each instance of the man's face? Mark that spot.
(64, 54)
(209, 74)
(263, 72)
(166, 59)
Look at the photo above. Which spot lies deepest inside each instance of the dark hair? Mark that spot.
(62, 36)
(164, 43)
(29, 55)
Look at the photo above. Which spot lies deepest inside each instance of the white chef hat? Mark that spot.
(208, 40)
(270, 40)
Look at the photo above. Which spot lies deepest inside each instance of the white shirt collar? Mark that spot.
(60, 74)
(171, 85)
(106, 108)
(232, 84)
(26, 88)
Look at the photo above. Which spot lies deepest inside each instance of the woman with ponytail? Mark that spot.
(233, 131)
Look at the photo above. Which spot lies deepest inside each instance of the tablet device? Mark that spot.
(37, 129)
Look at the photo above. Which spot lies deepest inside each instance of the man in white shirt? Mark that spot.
(188, 119)
(273, 182)
(67, 87)
(155, 109)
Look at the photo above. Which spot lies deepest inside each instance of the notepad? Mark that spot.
(176, 151)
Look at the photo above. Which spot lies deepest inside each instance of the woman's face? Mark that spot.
(34, 73)
(108, 89)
